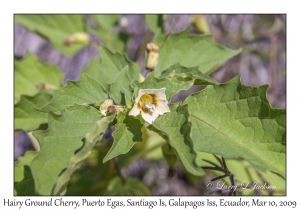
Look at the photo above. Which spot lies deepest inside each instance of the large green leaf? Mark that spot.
(91, 139)
(121, 90)
(190, 51)
(85, 91)
(108, 65)
(23, 182)
(128, 132)
(25, 116)
(59, 143)
(175, 128)
(182, 73)
(104, 29)
(30, 72)
(236, 121)
(105, 22)
(56, 28)
(130, 187)
(174, 83)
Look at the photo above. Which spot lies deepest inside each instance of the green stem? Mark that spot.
(142, 47)
(142, 154)
(119, 171)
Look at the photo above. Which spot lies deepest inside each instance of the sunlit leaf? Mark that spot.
(236, 121)
(105, 68)
(85, 91)
(174, 128)
(115, 41)
(174, 82)
(91, 139)
(55, 28)
(182, 73)
(190, 51)
(63, 139)
(122, 86)
(27, 118)
(128, 132)
(30, 72)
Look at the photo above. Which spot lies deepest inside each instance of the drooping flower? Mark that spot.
(150, 103)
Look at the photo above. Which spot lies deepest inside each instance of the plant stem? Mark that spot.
(119, 171)
(142, 47)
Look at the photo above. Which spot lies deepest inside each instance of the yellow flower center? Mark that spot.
(147, 103)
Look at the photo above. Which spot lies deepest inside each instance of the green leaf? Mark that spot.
(93, 176)
(85, 91)
(169, 155)
(128, 132)
(108, 65)
(236, 121)
(55, 28)
(174, 83)
(106, 23)
(91, 139)
(182, 73)
(131, 187)
(122, 86)
(155, 23)
(30, 72)
(23, 182)
(26, 117)
(63, 139)
(190, 51)
(175, 128)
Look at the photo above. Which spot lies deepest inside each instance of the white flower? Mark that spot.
(150, 103)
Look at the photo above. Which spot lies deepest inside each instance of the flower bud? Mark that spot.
(119, 109)
(104, 106)
(45, 86)
(141, 78)
(153, 55)
(200, 24)
(82, 38)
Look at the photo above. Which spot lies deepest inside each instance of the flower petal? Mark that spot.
(134, 111)
(160, 94)
(162, 107)
(161, 104)
(149, 118)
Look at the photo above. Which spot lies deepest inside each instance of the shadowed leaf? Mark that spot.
(23, 181)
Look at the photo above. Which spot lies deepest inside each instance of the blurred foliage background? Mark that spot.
(263, 61)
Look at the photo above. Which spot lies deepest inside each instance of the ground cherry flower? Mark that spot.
(150, 103)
